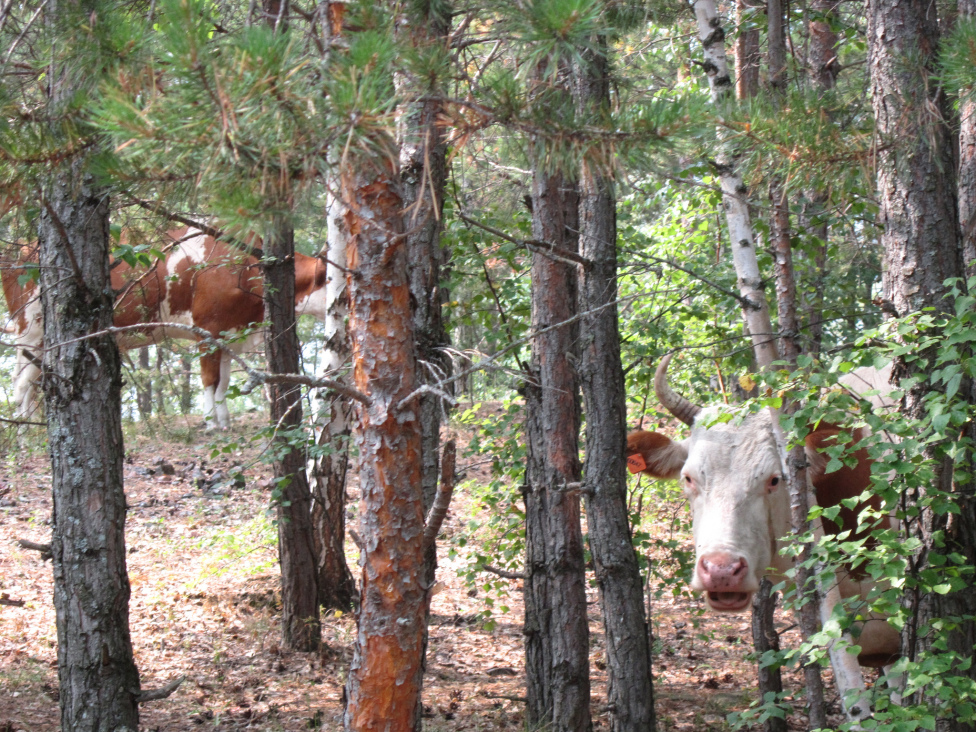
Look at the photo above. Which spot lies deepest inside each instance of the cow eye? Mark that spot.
(774, 480)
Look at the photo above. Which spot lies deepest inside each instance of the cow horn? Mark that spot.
(679, 406)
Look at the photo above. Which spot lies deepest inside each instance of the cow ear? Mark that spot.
(661, 456)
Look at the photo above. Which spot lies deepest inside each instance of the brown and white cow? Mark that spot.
(732, 476)
(201, 282)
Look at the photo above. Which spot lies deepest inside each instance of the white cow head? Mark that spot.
(732, 476)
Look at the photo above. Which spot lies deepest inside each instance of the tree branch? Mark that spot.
(502, 572)
(147, 695)
(435, 517)
(546, 249)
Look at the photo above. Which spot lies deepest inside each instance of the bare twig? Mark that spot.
(435, 517)
(533, 245)
(147, 695)
(426, 389)
(19, 422)
(157, 208)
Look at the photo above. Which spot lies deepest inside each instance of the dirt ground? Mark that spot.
(205, 604)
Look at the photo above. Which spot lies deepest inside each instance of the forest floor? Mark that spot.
(205, 601)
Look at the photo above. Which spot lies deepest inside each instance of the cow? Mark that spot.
(200, 281)
(732, 476)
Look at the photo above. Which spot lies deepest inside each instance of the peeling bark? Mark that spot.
(386, 673)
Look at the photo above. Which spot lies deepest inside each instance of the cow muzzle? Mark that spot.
(726, 581)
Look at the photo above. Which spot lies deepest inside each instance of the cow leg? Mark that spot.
(223, 413)
(26, 377)
(894, 681)
(210, 367)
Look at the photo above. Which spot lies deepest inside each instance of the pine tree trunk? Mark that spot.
(82, 387)
(631, 691)
(556, 630)
(296, 549)
(824, 67)
(386, 674)
(423, 175)
(917, 194)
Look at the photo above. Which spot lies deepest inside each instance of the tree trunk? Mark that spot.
(337, 589)
(300, 625)
(823, 70)
(786, 305)
(144, 388)
(98, 677)
(386, 674)
(921, 243)
(631, 691)
(423, 175)
(556, 631)
(746, 49)
(186, 384)
(734, 194)
(967, 165)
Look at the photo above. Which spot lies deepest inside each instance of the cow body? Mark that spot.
(733, 478)
(199, 282)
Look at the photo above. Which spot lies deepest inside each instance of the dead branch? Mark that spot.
(44, 549)
(356, 539)
(435, 517)
(488, 695)
(503, 573)
(19, 422)
(546, 249)
(5, 600)
(157, 208)
(147, 695)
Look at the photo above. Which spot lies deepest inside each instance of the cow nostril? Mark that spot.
(739, 567)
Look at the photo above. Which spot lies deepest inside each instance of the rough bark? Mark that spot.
(746, 49)
(786, 304)
(922, 249)
(765, 639)
(82, 387)
(301, 629)
(556, 631)
(631, 691)
(823, 69)
(423, 175)
(386, 673)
